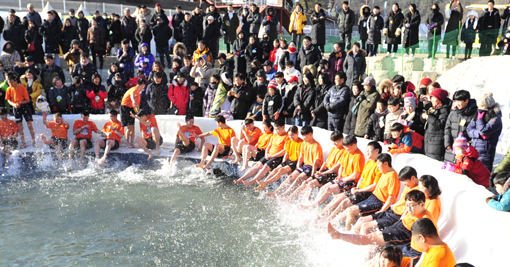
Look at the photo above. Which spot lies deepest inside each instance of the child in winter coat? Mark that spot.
(411, 116)
(406, 141)
(256, 108)
(501, 202)
(178, 93)
(202, 71)
(58, 97)
(468, 163)
(196, 100)
(486, 129)
(97, 93)
(42, 106)
(210, 93)
(468, 35)
(376, 123)
(272, 103)
(144, 56)
(394, 113)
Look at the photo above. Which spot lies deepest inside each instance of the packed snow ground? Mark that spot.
(484, 75)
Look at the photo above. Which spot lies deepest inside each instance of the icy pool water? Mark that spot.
(140, 216)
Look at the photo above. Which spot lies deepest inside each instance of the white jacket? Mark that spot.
(288, 73)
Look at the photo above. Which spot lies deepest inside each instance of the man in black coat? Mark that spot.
(162, 34)
(319, 27)
(255, 19)
(128, 28)
(464, 111)
(177, 19)
(83, 27)
(50, 71)
(101, 22)
(84, 69)
(346, 20)
(229, 27)
(488, 28)
(15, 33)
(308, 54)
(51, 31)
(197, 18)
(218, 21)
(158, 13)
(212, 35)
(156, 94)
(189, 34)
(240, 98)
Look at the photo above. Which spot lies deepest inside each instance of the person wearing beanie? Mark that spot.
(467, 162)
(463, 112)
(486, 129)
(367, 103)
(272, 103)
(424, 83)
(434, 117)
(411, 115)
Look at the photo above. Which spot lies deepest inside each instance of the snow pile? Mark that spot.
(484, 75)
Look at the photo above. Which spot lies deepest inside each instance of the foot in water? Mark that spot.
(101, 162)
(151, 156)
(260, 186)
(238, 181)
(131, 145)
(271, 195)
(249, 183)
(200, 165)
(333, 232)
(157, 152)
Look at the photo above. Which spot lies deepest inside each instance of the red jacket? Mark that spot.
(179, 95)
(132, 82)
(272, 58)
(472, 167)
(97, 103)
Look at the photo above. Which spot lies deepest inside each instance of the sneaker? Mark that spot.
(453, 57)
(388, 54)
(412, 55)
(406, 55)
(392, 54)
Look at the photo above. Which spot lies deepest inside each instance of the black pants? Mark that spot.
(99, 54)
(469, 50)
(453, 48)
(413, 50)
(164, 53)
(372, 49)
(320, 47)
(485, 49)
(335, 124)
(395, 48)
(432, 50)
(228, 48)
(345, 39)
(364, 44)
(134, 44)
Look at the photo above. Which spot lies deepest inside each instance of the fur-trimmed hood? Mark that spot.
(181, 45)
(385, 83)
(174, 82)
(361, 11)
(363, 53)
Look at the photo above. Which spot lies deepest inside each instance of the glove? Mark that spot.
(386, 142)
(268, 17)
(238, 53)
(408, 25)
(385, 32)
(361, 97)
(54, 108)
(448, 166)
(480, 114)
(485, 137)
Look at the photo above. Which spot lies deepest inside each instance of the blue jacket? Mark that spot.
(141, 57)
(270, 75)
(337, 101)
(502, 202)
(485, 133)
(128, 61)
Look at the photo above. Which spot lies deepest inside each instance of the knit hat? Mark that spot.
(486, 100)
(425, 82)
(272, 84)
(398, 79)
(293, 79)
(439, 94)
(461, 142)
(369, 81)
(410, 100)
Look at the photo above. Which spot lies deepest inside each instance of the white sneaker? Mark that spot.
(392, 54)
(406, 55)
(388, 54)
(412, 55)
(453, 57)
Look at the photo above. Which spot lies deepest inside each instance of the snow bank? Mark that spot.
(484, 75)
(476, 233)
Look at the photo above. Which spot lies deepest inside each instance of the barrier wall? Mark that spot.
(476, 233)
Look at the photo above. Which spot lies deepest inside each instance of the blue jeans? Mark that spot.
(163, 52)
(300, 123)
(289, 121)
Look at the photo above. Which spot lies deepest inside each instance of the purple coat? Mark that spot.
(485, 134)
(209, 95)
(336, 64)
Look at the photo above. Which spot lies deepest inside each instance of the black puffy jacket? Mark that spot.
(162, 34)
(457, 122)
(434, 131)
(240, 106)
